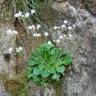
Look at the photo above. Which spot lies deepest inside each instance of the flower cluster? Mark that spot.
(11, 32)
(65, 26)
(39, 34)
(36, 34)
(27, 14)
(33, 27)
(19, 49)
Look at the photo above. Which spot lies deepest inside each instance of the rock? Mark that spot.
(89, 5)
(2, 89)
(7, 63)
(80, 79)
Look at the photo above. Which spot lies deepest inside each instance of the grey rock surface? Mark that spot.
(6, 42)
(80, 80)
(89, 5)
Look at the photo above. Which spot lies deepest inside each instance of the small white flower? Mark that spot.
(55, 27)
(17, 50)
(29, 27)
(65, 21)
(35, 34)
(58, 40)
(49, 42)
(63, 26)
(69, 28)
(10, 50)
(20, 48)
(18, 14)
(33, 27)
(46, 33)
(74, 26)
(61, 37)
(64, 35)
(38, 35)
(27, 14)
(70, 35)
(22, 16)
(9, 31)
(38, 26)
(33, 12)
(14, 32)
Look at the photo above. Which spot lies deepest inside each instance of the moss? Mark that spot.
(57, 87)
(17, 86)
(3, 77)
(13, 86)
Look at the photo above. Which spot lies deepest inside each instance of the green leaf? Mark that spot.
(30, 75)
(55, 51)
(41, 66)
(31, 62)
(60, 62)
(55, 77)
(35, 79)
(61, 69)
(67, 60)
(36, 71)
(51, 70)
(44, 74)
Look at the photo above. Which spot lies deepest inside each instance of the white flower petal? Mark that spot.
(49, 42)
(35, 34)
(46, 33)
(70, 35)
(65, 21)
(55, 27)
(29, 27)
(74, 25)
(17, 50)
(9, 31)
(14, 32)
(58, 40)
(18, 14)
(27, 14)
(61, 37)
(69, 28)
(33, 12)
(20, 48)
(10, 50)
(63, 26)
(33, 27)
(38, 26)
(38, 35)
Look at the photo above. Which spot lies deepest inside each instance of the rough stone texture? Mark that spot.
(2, 89)
(81, 79)
(89, 5)
(6, 42)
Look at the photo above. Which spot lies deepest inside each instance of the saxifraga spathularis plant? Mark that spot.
(47, 63)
